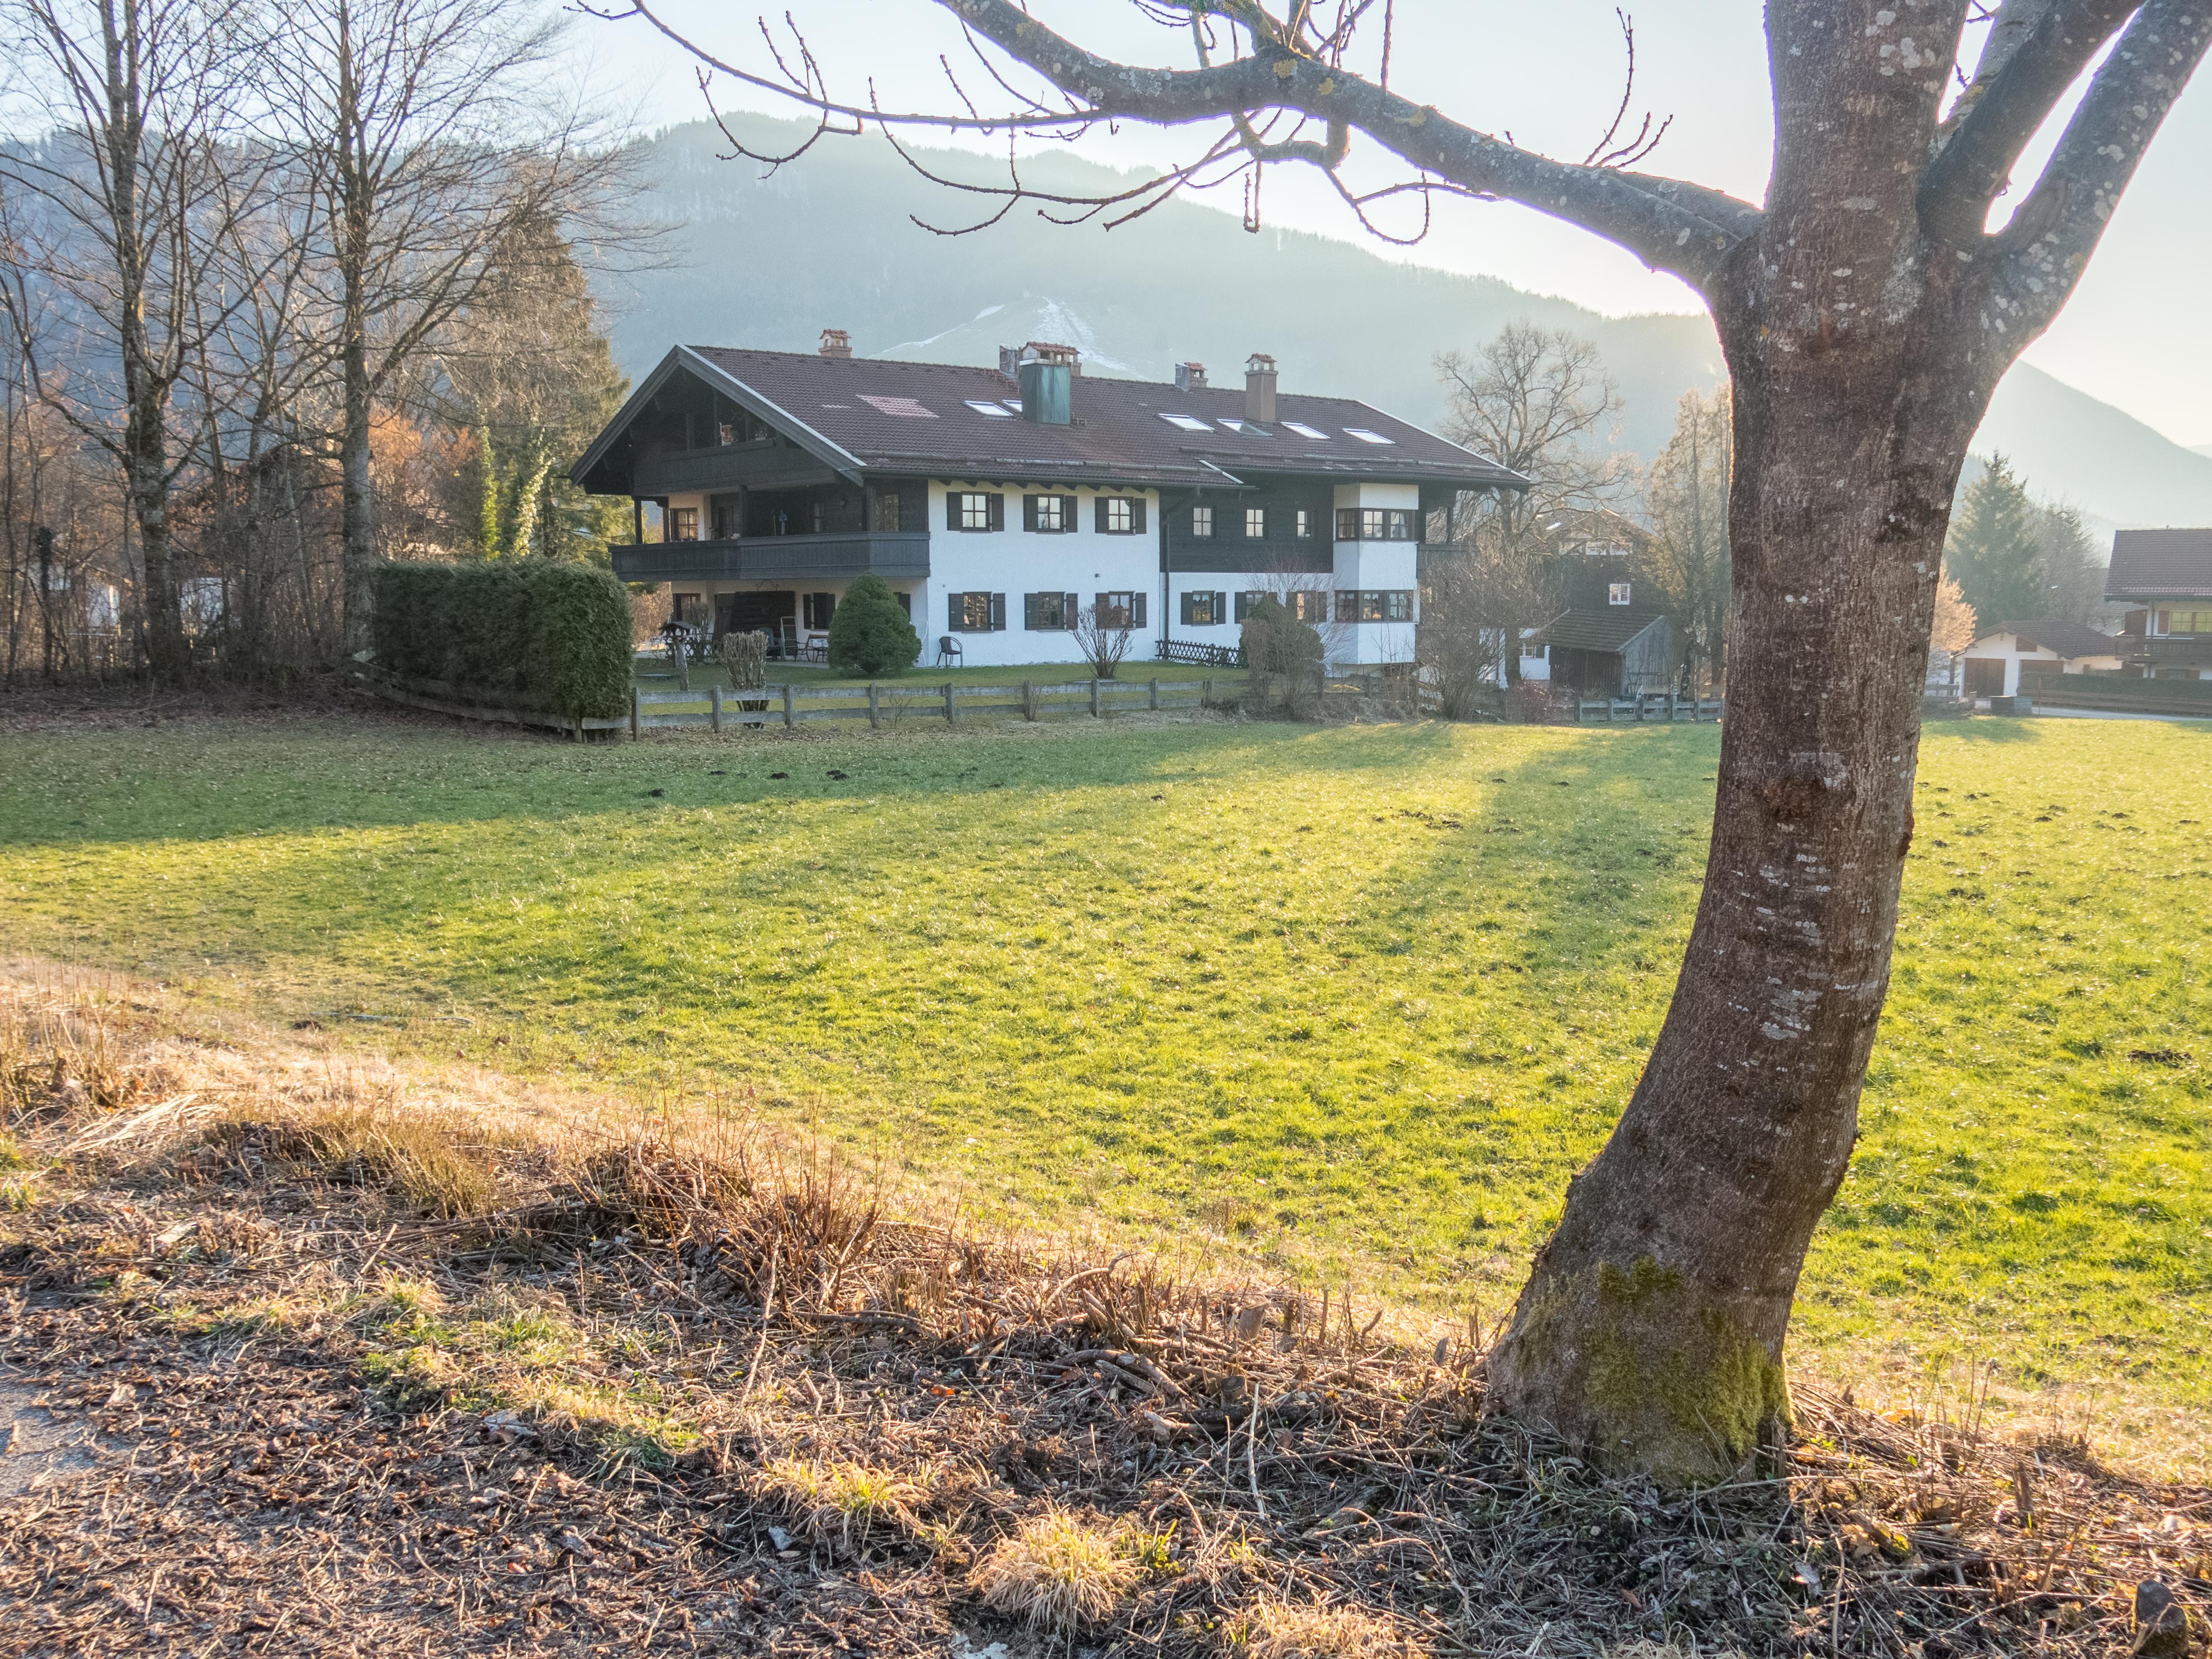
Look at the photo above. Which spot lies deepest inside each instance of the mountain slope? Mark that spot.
(830, 242)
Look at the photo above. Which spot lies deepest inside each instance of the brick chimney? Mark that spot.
(1190, 376)
(1259, 388)
(836, 343)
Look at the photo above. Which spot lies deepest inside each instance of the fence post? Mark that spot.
(633, 713)
(714, 714)
(875, 716)
(1029, 700)
(1206, 693)
(790, 716)
(1094, 696)
(949, 715)
(1670, 708)
(1155, 692)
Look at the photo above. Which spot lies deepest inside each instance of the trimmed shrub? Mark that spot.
(870, 634)
(524, 633)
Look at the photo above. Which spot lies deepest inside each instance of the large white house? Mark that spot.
(999, 504)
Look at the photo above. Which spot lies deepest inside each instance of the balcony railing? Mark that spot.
(889, 553)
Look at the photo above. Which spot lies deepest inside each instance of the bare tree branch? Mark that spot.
(2038, 56)
(2047, 246)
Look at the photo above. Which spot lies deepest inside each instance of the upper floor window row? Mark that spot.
(971, 510)
(1374, 523)
(1251, 522)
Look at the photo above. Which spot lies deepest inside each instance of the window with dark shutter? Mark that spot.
(998, 612)
(1137, 516)
(1068, 609)
(1136, 610)
(953, 499)
(998, 511)
(1032, 605)
(1030, 513)
(1067, 520)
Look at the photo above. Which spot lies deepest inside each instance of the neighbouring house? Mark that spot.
(1611, 637)
(1001, 505)
(1613, 651)
(1991, 664)
(2165, 576)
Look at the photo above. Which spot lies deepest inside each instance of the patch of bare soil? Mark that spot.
(380, 1379)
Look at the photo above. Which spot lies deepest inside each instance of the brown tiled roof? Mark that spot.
(2067, 638)
(893, 416)
(1596, 631)
(2161, 564)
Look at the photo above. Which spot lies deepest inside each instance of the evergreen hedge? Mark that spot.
(524, 632)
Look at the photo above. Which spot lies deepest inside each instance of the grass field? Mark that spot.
(1359, 997)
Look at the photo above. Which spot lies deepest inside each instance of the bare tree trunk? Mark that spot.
(356, 535)
(1650, 1331)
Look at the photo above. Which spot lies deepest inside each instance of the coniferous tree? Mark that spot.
(1995, 548)
(869, 634)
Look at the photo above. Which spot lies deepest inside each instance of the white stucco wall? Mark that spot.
(2007, 649)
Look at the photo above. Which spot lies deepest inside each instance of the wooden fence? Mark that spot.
(2114, 694)
(1666, 710)
(879, 705)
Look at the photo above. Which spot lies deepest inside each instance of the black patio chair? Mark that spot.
(948, 652)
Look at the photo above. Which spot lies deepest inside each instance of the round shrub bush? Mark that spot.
(870, 634)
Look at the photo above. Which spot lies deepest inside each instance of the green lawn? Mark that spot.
(1363, 995)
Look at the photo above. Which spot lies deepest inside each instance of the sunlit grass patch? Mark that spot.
(843, 1500)
(1289, 1629)
(1059, 1571)
(1357, 1001)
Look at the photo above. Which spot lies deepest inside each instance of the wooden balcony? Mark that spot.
(891, 554)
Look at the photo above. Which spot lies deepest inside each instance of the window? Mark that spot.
(1248, 602)
(1374, 523)
(1048, 515)
(1616, 593)
(976, 613)
(1201, 521)
(1308, 604)
(974, 509)
(1366, 436)
(725, 434)
(1371, 605)
(1121, 515)
(819, 517)
(1204, 609)
(1119, 610)
(1301, 523)
(729, 523)
(1255, 521)
(906, 604)
(1048, 610)
(2185, 621)
(687, 608)
(887, 510)
(1187, 423)
(682, 523)
(1249, 429)
(817, 609)
(996, 411)
(1305, 431)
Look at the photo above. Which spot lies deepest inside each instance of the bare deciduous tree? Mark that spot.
(130, 197)
(1687, 496)
(1867, 312)
(443, 138)
(1103, 632)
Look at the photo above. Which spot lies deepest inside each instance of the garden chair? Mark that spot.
(948, 651)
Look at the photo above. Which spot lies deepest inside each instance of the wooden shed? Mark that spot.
(1613, 652)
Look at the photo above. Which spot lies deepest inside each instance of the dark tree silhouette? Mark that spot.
(1867, 312)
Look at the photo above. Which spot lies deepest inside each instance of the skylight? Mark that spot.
(996, 411)
(1015, 405)
(1187, 423)
(1305, 431)
(903, 406)
(1367, 437)
(1249, 429)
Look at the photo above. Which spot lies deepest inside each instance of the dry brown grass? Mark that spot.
(759, 1325)
(1284, 1630)
(1058, 1571)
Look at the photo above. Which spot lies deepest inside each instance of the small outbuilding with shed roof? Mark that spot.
(1994, 661)
(1613, 652)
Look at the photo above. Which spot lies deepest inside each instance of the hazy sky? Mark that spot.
(2138, 333)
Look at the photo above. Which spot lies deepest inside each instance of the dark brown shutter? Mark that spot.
(952, 611)
(1137, 515)
(1068, 602)
(953, 509)
(1031, 602)
(1029, 512)
(998, 519)
(998, 612)
(1098, 513)
(1136, 610)
(1067, 520)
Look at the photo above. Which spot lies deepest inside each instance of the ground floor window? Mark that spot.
(1308, 604)
(1048, 610)
(1204, 609)
(1372, 604)
(687, 608)
(1119, 610)
(976, 613)
(817, 609)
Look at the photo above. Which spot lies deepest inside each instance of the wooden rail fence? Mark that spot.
(1666, 710)
(879, 704)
